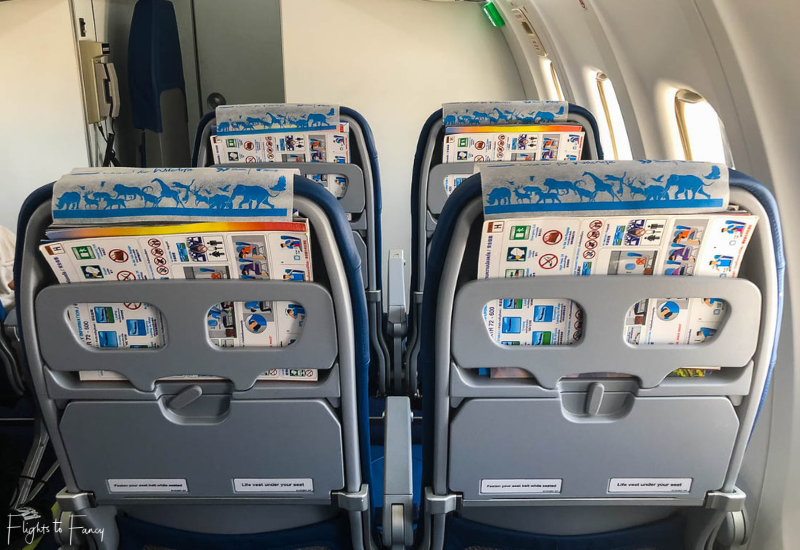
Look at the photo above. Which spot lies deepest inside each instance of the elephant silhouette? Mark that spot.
(544, 116)
(223, 127)
(317, 119)
(255, 195)
(498, 196)
(71, 200)
(449, 120)
(219, 201)
(686, 184)
(655, 193)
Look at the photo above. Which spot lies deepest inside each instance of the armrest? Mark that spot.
(396, 321)
(398, 531)
(397, 287)
(10, 352)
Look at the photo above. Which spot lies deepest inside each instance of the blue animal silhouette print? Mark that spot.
(686, 184)
(255, 195)
(271, 120)
(524, 114)
(601, 186)
(90, 200)
(162, 197)
(504, 115)
(635, 190)
(213, 201)
(168, 193)
(71, 200)
(557, 186)
(545, 196)
(185, 187)
(498, 196)
(94, 200)
(596, 187)
(109, 202)
(127, 192)
(250, 196)
(523, 194)
(275, 120)
(318, 119)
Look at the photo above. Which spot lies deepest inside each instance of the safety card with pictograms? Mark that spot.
(270, 250)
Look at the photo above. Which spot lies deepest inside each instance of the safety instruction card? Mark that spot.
(511, 143)
(271, 250)
(704, 245)
(289, 146)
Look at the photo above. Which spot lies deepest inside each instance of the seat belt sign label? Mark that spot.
(649, 485)
(520, 486)
(147, 486)
(280, 485)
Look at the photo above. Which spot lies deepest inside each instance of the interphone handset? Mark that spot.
(100, 85)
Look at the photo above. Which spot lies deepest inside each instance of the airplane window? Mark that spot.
(554, 86)
(700, 129)
(615, 138)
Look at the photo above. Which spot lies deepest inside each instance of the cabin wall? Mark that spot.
(396, 62)
(763, 42)
(41, 105)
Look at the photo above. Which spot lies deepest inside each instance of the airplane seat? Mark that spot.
(361, 201)
(207, 439)
(539, 461)
(12, 383)
(430, 176)
(206, 127)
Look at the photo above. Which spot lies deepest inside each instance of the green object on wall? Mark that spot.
(493, 14)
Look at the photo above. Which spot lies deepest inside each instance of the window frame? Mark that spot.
(682, 98)
(555, 80)
(601, 77)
